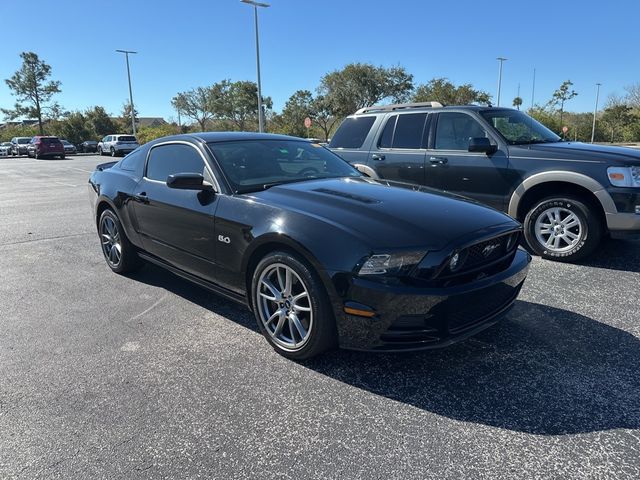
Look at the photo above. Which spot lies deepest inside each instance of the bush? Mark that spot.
(146, 134)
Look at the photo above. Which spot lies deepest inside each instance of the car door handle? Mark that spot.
(375, 156)
(438, 161)
(141, 197)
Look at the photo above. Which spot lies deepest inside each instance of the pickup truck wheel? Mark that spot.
(563, 229)
(119, 253)
(292, 307)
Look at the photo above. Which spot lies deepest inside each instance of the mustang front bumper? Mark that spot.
(413, 318)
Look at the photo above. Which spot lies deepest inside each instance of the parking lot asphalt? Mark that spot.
(148, 376)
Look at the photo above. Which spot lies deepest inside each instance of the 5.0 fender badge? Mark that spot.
(223, 239)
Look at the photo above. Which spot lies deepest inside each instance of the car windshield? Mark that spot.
(253, 165)
(518, 128)
(24, 140)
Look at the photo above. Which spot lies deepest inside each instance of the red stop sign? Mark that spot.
(307, 122)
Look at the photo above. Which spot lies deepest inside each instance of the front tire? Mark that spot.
(99, 151)
(119, 253)
(565, 229)
(292, 307)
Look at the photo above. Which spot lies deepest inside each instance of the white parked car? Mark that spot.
(5, 149)
(116, 145)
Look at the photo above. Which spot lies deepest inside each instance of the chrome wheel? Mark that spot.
(284, 306)
(111, 243)
(558, 229)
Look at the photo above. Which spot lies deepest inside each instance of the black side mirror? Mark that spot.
(481, 144)
(188, 181)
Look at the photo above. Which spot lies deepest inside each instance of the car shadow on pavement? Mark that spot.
(623, 255)
(542, 370)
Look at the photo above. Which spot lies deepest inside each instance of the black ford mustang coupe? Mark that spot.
(322, 255)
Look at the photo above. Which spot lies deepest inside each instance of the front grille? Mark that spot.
(483, 255)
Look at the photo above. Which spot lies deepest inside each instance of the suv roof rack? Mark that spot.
(399, 106)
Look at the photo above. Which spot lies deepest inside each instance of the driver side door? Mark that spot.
(177, 225)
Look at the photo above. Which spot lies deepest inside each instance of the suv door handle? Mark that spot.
(438, 161)
(376, 156)
(141, 197)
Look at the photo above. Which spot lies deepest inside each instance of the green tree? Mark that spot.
(360, 85)
(237, 104)
(517, 102)
(616, 116)
(33, 89)
(298, 107)
(443, 91)
(99, 122)
(75, 127)
(561, 96)
(196, 104)
(125, 118)
(324, 116)
(146, 134)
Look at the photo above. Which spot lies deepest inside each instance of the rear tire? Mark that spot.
(62, 156)
(297, 318)
(113, 152)
(118, 251)
(563, 228)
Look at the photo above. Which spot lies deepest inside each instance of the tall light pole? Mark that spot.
(133, 117)
(595, 111)
(255, 15)
(501, 60)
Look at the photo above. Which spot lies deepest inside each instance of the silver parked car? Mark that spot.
(69, 148)
(5, 149)
(116, 145)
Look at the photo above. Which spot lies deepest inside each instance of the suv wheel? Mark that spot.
(292, 307)
(99, 151)
(113, 152)
(119, 253)
(562, 228)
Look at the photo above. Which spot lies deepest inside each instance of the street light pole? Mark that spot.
(595, 111)
(133, 117)
(501, 60)
(255, 15)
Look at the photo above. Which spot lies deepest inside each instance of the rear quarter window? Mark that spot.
(134, 162)
(352, 132)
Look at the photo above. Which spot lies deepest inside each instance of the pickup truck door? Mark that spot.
(472, 174)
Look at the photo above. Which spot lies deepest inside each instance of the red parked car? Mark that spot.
(41, 146)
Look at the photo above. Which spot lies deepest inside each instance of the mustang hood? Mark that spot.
(388, 214)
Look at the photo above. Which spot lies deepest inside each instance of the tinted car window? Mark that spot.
(50, 141)
(454, 130)
(257, 164)
(170, 159)
(127, 138)
(387, 134)
(134, 162)
(352, 132)
(409, 129)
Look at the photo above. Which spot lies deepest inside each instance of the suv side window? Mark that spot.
(352, 132)
(409, 130)
(404, 131)
(165, 160)
(454, 130)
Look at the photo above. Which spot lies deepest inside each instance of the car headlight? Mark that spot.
(391, 263)
(624, 176)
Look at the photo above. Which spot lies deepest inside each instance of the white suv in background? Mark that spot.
(115, 145)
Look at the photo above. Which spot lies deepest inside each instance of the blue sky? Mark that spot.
(197, 42)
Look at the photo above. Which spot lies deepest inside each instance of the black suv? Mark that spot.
(567, 194)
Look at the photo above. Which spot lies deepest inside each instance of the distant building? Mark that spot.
(18, 123)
